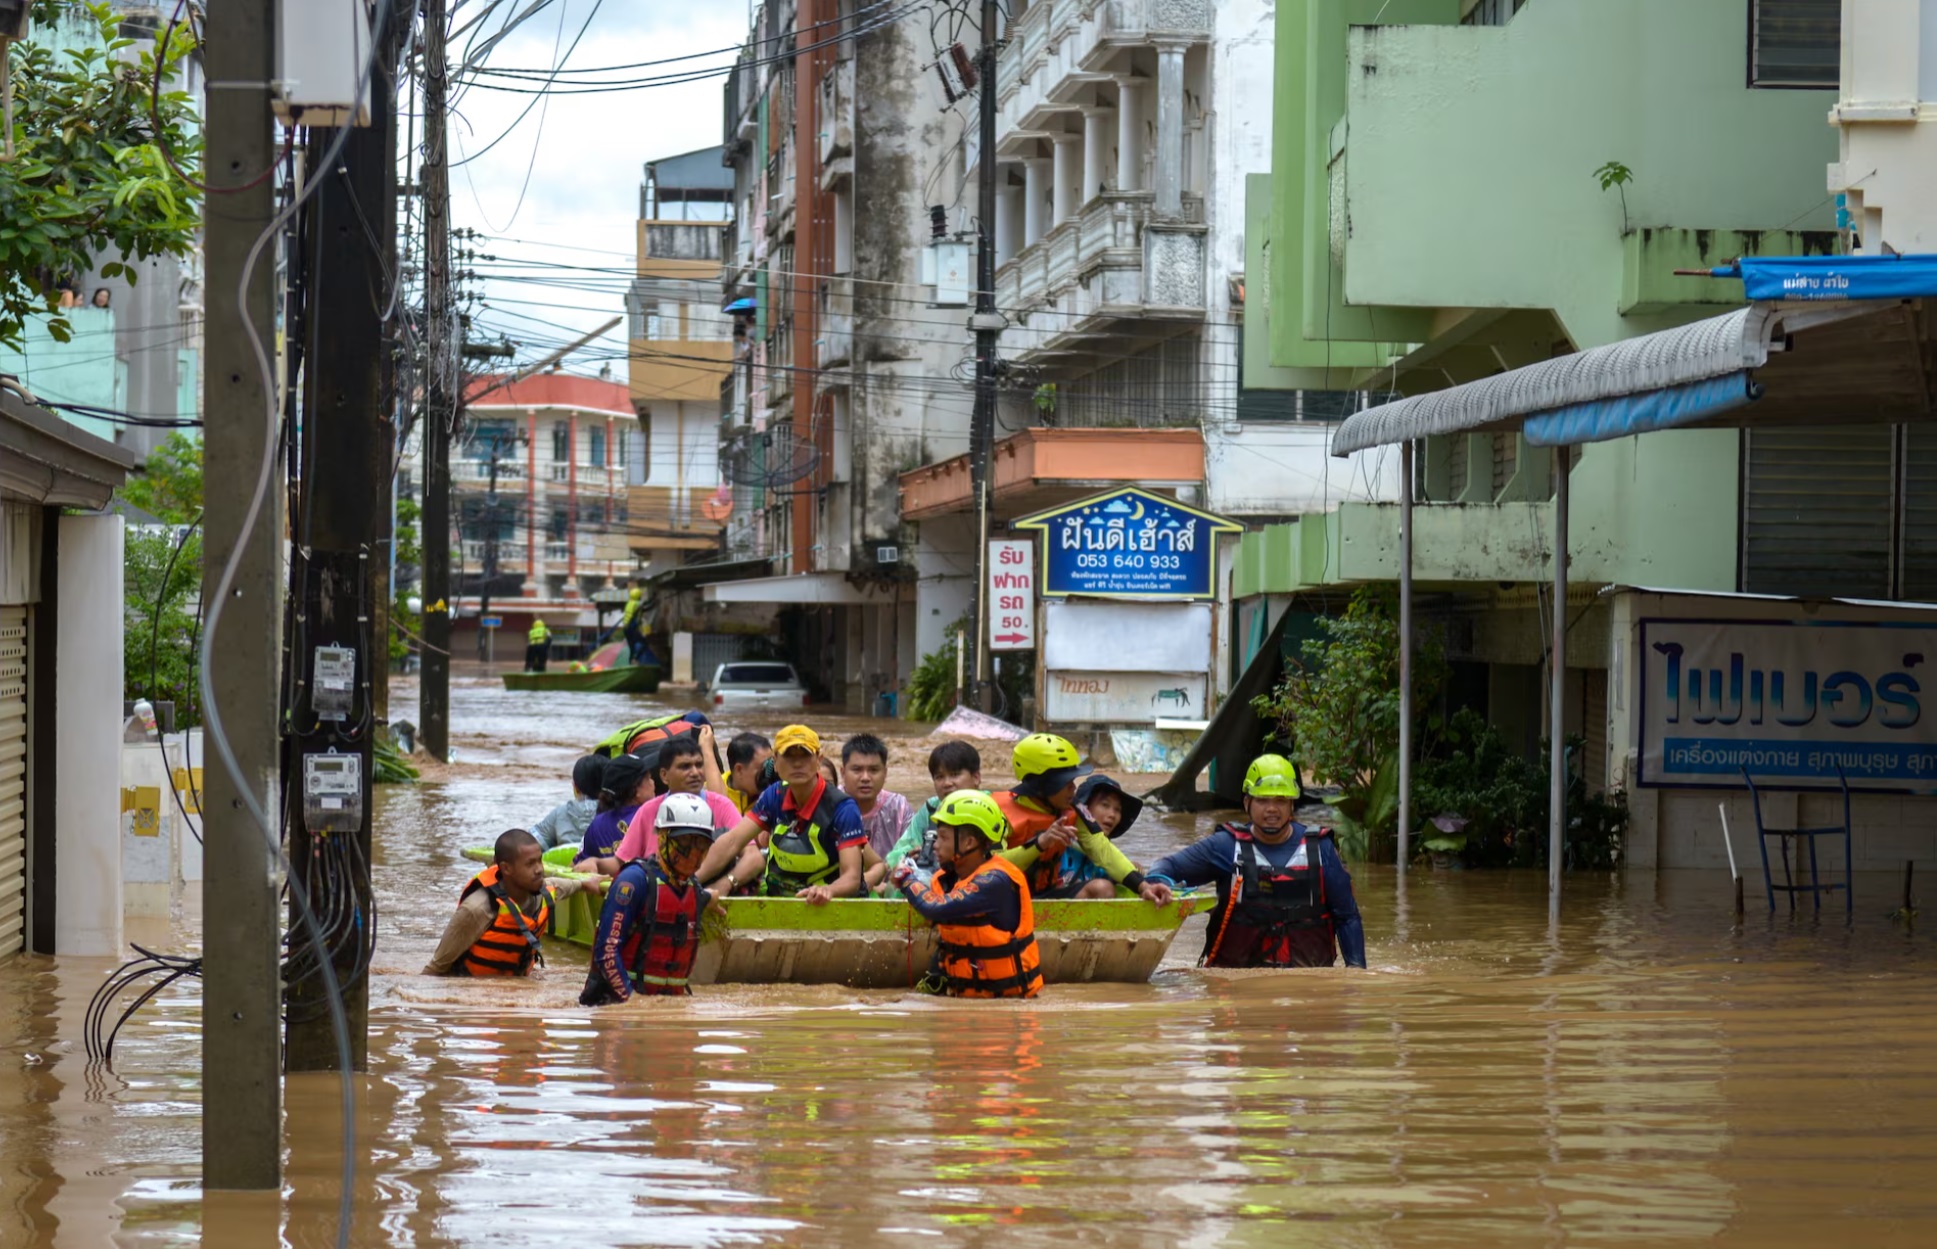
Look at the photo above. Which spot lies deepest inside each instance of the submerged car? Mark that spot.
(756, 685)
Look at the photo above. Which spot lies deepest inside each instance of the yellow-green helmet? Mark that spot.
(635, 593)
(971, 808)
(1041, 754)
(1271, 776)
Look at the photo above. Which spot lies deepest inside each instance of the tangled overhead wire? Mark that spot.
(98, 1037)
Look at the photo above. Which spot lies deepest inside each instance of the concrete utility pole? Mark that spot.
(241, 991)
(345, 471)
(987, 323)
(442, 385)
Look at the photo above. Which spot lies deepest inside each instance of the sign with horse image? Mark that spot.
(1122, 697)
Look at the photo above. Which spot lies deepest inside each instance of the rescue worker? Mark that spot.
(979, 904)
(632, 624)
(1040, 810)
(501, 912)
(1284, 898)
(538, 646)
(648, 930)
(813, 833)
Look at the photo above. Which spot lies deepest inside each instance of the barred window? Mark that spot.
(1795, 43)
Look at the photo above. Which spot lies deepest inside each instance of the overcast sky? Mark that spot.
(584, 154)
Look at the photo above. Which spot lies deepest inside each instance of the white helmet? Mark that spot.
(683, 814)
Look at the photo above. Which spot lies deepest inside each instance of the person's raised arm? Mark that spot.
(715, 782)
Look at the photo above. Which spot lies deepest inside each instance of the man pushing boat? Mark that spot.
(979, 904)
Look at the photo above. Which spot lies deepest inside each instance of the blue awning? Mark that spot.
(741, 305)
(1639, 414)
(1664, 380)
(1816, 278)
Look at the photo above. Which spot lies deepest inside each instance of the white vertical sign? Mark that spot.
(1012, 594)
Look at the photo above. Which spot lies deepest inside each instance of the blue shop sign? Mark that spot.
(1129, 543)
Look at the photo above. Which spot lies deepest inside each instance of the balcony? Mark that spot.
(1039, 468)
(469, 472)
(837, 111)
(1110, 261)
(1058, 46)
(834, 343)
(510, 554)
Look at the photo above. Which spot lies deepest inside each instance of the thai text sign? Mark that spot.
(1012, 594)
(1123, 697)
(1128, 543)
(1788, 700)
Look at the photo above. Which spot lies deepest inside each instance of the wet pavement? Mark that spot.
(1647, 1072)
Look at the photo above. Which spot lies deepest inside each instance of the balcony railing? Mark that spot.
(510, 554)
(1055, 38)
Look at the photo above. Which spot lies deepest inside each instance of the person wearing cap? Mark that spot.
(979, 903)
(626, 784)
(1043, 821)
(567, 822)
(1284, 898)
(648, 930)
(812, 831)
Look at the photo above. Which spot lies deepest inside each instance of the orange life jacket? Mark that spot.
(985, 961)
(510, 945)
(1024, 822)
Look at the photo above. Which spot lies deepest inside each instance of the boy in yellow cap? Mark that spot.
(811, 832)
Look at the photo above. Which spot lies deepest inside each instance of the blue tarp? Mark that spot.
(1639, 414)
(1833, 277)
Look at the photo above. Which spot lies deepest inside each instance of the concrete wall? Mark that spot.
(87, 700)
(902, 410)
(682, 443)
(1511, 123)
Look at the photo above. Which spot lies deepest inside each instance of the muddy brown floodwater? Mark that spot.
(1645, 1073)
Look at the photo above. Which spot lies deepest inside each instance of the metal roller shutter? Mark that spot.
(13, 779)
(1919, 541)
(1817, 514)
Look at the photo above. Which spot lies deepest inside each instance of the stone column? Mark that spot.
(1007, 218)
(1096, 152)
(1129, 134)
(1169, 202)
(1033, 196)
(1068, 174)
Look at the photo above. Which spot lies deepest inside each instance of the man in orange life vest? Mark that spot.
(649, 928)
(979, 904)
(1284, 898)
(502, 912)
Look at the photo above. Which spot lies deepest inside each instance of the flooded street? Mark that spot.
(1646, 1073)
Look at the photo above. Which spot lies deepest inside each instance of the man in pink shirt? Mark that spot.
(681, 769)
(864, 772)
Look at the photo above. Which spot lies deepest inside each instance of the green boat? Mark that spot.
(631, 679)
(882, 944)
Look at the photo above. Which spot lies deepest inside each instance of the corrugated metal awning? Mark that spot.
(1657, 381)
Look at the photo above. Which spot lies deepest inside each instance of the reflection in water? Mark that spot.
(1645, 1072)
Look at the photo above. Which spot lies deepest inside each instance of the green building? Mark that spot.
(1463, 187)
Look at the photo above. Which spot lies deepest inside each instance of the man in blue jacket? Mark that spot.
(1284, 898)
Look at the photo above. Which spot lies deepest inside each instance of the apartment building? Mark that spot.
(681, 347)
(847, 170)
(539, 500)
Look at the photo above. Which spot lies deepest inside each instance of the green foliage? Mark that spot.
(1614, 176)
(388, 764)
(1337, 712)
(169, 486)
(1487, 805)
(89, 177)
(1044, 397)
(158, 626)
(405, 623)
(931, 690)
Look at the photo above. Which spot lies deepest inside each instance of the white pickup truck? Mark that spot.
(750, 684)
